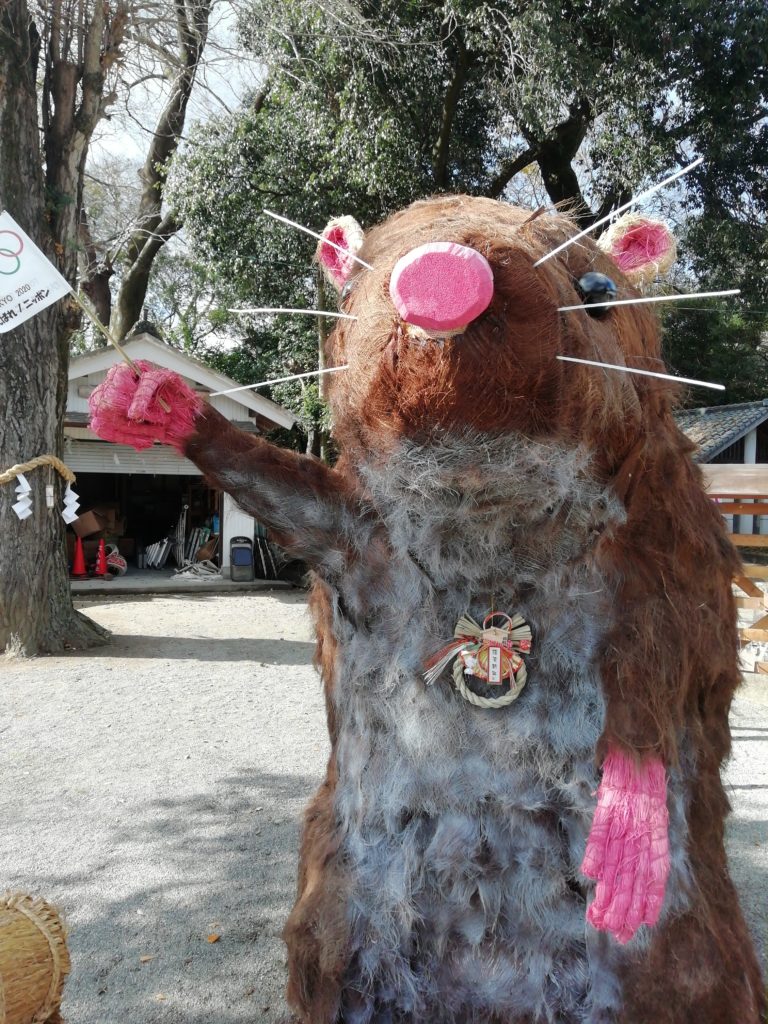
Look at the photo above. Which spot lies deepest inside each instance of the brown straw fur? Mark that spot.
(666, 662)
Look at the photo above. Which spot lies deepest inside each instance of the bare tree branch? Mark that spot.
(97, 274)
(507, 171)
(152, 229)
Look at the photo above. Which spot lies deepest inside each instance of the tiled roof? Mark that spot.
(716, 428)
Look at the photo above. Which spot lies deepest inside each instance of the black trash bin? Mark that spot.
(241, 559)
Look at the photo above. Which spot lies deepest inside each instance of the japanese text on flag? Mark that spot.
(28, 281)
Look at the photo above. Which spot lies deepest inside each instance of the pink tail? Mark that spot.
(628, 846)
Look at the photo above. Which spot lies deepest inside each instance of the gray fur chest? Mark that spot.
(464, 827)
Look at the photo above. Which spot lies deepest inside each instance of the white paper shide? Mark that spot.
(23, 506)
(71, 504)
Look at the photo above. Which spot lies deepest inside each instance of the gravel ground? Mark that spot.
(152, 790)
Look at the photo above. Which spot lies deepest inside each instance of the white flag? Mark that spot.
(28, 281)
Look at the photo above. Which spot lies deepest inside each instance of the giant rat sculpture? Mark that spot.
(558, 858)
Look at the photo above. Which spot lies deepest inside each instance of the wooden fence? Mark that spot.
(743, 491)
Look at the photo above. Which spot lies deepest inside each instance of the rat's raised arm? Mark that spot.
(299, 499)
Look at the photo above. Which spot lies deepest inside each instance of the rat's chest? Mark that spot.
(404, 743)
(514, 534)
(515, 537)
(464, 827)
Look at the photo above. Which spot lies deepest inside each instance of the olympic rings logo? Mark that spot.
(10, 251)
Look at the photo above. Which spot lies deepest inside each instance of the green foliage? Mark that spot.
(370, 106)
(723, 341)
(725, 251)
(180, 301)
(269, 352)
(717, 343)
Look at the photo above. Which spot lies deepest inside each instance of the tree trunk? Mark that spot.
(95, 281)
(152, 228)
(441, 148)
(555, 154)
(36, 611)
(127, 307)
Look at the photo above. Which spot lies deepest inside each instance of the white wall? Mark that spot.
(235, 523)
(747, 523)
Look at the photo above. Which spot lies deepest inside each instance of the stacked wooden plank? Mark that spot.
(743, 491)
(197, 537)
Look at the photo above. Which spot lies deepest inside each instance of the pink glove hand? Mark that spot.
(628, 846)
(127, 409)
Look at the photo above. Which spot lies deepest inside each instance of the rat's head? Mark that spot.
(458, 330)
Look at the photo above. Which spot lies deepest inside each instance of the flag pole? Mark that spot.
(108, 335)
(104, 330)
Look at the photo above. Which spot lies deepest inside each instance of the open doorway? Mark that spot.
(139, 510)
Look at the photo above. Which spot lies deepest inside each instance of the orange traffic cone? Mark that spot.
(101, 561)
(78, 562)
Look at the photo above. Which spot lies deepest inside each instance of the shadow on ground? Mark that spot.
(197, 867)
(746, 784)
(294, 596)
(266, 652)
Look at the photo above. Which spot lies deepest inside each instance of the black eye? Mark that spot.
(597, 288)
(346, 291)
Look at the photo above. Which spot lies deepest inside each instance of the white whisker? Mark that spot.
(285, 309)
(314, 234)
(651, 298)
(615, 213)
(644, 373)
(279, 380)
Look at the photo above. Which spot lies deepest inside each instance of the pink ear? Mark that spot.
(643, 248)
(342, 239)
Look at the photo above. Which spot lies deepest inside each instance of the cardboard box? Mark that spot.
(88, 523)
(110, 513)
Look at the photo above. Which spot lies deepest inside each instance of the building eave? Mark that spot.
(688, 420)
(144, 346)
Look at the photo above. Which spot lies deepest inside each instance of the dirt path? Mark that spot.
(155, 788)
(152, 790)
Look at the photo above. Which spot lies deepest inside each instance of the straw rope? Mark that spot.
(40, 460)
(512, 694)
(23, 966)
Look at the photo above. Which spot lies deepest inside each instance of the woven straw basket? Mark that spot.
(33, 961)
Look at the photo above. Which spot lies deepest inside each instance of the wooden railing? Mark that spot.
(743, 491)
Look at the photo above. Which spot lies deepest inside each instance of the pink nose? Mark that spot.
(441, 286)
